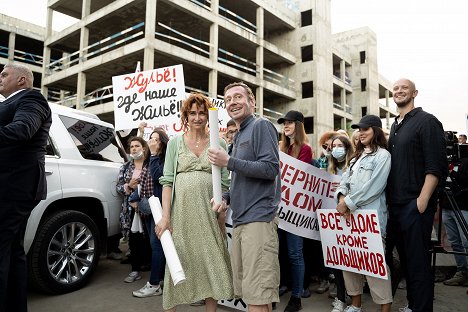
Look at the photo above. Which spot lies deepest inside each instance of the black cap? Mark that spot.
(292, 115)
(368, 121)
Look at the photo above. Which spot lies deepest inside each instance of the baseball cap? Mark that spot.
(368, 121)
(292, 115)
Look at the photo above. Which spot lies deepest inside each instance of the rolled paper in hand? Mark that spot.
(172, 259)
(214, 143)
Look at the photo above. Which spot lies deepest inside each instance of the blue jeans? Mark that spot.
(296, 261)
(158, 260)
(457, 238)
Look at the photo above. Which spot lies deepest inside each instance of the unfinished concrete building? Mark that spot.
(283, 49)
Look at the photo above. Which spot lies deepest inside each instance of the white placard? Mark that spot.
(304, 189)
(154, 96)
(353, 245)
(174, 127)
(172, 259)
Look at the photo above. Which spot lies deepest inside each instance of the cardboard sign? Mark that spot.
(353, 245)
(94, 137)
(304, 190)
(154, 96)
(174, 127)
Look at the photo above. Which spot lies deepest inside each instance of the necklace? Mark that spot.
(197, 143)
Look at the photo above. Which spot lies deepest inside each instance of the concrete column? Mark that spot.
(342, 71)
(150, 29)
(80, 89)
(259, 100)
(46, 53)
(11, 46)
(260, 59)
(214, 46)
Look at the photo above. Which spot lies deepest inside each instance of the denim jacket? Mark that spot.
(364, 187)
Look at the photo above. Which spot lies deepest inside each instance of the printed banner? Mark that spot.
(154, 96)
(304, 189)
(353, 245)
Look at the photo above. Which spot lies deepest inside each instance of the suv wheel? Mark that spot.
(65, 252)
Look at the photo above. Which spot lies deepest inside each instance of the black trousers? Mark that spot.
(410, 231)
(13, 269)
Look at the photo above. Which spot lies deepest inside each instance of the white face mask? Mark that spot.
(339, 153)
(326, 152)
(137, 155)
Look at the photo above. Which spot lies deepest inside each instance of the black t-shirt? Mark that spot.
(418, 147)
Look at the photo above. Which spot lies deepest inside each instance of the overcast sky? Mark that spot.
(424, 40)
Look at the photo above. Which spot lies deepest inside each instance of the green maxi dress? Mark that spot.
(198, 240)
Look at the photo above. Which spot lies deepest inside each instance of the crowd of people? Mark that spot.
(397, 175)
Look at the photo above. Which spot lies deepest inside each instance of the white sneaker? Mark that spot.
(115, 256)
(405, 309)
(147, 291)
(133, 276)
(352, 308)
(338, 306)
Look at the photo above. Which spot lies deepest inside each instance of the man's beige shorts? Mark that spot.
(255, 263)
(380, 289)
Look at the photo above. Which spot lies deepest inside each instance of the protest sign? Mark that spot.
(176, 127)
(353, 245)
(94, 138)
(304, 189)
(154, 96)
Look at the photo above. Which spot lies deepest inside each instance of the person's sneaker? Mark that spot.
(115, 256)
(198, 303)
(133, 276)
(402, 284)
(404, 309)
(282, 290)
(306, 293)
(294, 305)
(457, 280)
(338, 306)
(333, 292)
(147, 291)
(352, 308)
(324, 286)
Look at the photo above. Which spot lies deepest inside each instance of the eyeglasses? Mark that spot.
(326, 147)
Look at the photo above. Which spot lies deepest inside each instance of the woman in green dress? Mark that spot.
(197, 230)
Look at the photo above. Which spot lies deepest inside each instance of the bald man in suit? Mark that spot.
(25, 120)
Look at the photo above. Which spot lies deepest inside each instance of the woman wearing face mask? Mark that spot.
(342, 153)
(130, 176)
(294, 143)
(363, 187)
(325, 154)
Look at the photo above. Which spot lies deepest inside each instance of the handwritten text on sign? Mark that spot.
(353, 245)
(176, 127)
(153, 96)
(304, 189)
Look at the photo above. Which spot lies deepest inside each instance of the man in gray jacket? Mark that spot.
(254, 198)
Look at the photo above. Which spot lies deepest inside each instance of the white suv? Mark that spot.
(67, 231)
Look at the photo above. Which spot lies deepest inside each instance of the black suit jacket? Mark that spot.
(25, 120)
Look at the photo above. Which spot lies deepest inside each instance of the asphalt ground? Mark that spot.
(107, 292)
